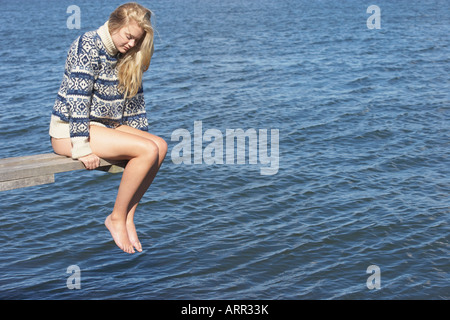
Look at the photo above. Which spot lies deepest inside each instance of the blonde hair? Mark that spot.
(136, 61)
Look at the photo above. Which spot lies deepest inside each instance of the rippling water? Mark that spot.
(363, 118)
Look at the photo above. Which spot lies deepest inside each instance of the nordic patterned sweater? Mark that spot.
(89, 94)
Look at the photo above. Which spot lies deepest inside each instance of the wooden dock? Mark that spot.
(27, 171)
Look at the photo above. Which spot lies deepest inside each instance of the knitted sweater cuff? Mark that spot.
(80, 147)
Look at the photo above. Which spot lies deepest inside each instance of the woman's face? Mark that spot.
(127, 37)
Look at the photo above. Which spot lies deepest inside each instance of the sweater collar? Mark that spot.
(104, 34)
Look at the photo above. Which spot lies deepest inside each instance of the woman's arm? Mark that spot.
(79, 94)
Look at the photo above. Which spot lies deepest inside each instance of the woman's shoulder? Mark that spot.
(89, 38)
(86, 42)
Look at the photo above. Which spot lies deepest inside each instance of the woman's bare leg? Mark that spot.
(143, 155)
(162, 147)
(144, 161)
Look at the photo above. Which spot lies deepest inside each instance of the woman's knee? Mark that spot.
(160, 143)
(162, 146)
(148, 149)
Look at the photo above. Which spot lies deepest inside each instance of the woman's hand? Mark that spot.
(91, 161)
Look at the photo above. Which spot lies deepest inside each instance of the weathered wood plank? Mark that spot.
(27, 182)
(41, 167)
(29, 159)
(18, 172)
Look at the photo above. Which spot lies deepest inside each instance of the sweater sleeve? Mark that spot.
(79, 96)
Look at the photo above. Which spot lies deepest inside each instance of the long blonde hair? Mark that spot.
(136, 61)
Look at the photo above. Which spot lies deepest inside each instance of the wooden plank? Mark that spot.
(115, 168)
(27, 182)
(39, 168)
(18, 172)
(29, 159)
(30, 168)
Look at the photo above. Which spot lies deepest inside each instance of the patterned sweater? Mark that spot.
(89, 94)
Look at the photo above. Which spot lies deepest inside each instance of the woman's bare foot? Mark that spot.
(132, 236)
(119, 233)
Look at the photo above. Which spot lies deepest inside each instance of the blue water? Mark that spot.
(363, 179)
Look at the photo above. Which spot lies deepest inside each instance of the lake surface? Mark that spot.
(362, 177)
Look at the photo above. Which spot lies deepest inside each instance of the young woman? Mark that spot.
(100, 111)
